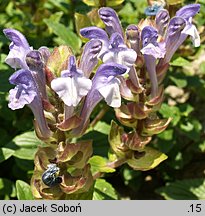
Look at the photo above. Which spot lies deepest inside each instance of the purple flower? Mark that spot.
(30, 80)
(162, 21)
(118, 52)
(99, 34)
(26, 93)
(45, 53)
(72, 85)
(179, 28)
(105, 85)
(35, 63)
(152, 50)
(23, 56)
(113, 50)
(187, 13)
(111, 20)
(89, 58)
(19, 48)
(150, 46)
(174, 38)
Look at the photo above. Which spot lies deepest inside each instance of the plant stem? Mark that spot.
(116, 163)
(99, 116)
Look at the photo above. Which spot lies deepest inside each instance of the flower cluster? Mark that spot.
(62, 92)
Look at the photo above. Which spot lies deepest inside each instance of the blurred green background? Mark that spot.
(54, 22)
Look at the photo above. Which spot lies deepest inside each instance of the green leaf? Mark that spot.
(4, 138)
(180, 82)
(102, 127)
(3, 66)
(180, 62)
(100, 3)
(104, 191)
(5, 153)
(25, 153)
(94, 18)
(197, 83)
(202, 68)
(166, 135)
(7, 188)
(201, 146)
(166, 141)
(56, 16)
(130, 174)
(192, 129)
(170, 111)
(140, 5)
(99, 164)
(177, 160)
(112, 3)
(191, 189)
(201, 1)
(174, 2)
(100, 142)
(150, 160)
(25, 145)
(60, 5)
(128, 13)
(23, 191)
(65, 34)
(25, 165)
(91, 2)
(81, 21)
(80, 196)
(186, 109)
(187, 127)
(4, 76)
(132, 178)
(27, 140)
